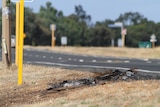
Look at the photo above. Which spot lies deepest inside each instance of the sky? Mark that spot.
(104, 9)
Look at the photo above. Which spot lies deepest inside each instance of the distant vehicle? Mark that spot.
(13, 41)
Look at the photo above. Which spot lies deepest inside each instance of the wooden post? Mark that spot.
(17, 33)
(6, 34)
(123, 40)
(153, 44)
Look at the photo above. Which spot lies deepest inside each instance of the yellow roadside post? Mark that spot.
(123, 33)
(20, 35)
(21, 40)
(17, 32)
(53, 39)
(53, 28)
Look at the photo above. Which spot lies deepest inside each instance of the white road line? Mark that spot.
(100, 67)
(126, 61)
(94, 61)
(81, 60)
(109, 61)
(69, 59)
(44, 56)
(60, 58)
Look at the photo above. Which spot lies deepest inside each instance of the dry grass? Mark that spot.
(118, 94)
(112, 94)
(35, 80)
(108, 51)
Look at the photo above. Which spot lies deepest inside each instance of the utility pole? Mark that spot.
(6, 34)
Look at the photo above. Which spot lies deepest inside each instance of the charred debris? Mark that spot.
(101, 78)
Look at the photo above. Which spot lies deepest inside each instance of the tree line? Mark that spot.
(80, 30)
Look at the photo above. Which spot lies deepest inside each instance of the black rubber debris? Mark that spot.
(116, 75)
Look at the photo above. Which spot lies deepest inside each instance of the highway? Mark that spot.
(77, 61)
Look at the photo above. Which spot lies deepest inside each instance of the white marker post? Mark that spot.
(63, 40)
(153, 40)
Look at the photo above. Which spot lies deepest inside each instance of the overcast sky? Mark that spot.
(104, 9)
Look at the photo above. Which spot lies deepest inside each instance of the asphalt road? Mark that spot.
(74, 61)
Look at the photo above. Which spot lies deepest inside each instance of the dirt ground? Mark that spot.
(36, 79)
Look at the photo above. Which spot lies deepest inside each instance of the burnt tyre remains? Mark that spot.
(116, 75)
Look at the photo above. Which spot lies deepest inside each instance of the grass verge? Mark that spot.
(36, 79)
(141, 93)
(107, 51)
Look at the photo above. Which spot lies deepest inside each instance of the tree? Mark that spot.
(137, 33)
(37, 26)
(32, 29)
(100, 36)
(81, 14)
(131, 18)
